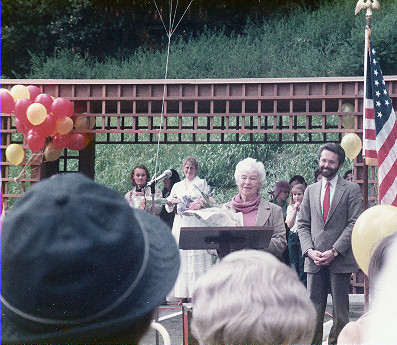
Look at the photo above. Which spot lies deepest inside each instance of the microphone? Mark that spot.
(165, 174)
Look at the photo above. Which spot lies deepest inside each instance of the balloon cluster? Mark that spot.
(351, 142)
(46, 122)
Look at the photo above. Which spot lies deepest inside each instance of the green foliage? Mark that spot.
(326, 42)
(105, 28)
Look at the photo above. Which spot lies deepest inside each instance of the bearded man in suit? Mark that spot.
(327, 215)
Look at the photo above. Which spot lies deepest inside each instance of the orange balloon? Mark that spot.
(84, 122)
(36, 113)
(64, 125)
(51, 153)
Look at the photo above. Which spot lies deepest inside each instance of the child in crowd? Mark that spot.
(294, 246)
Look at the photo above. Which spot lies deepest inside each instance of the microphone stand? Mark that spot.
(152, 190)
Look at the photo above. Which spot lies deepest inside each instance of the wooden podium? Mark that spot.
(225, 239)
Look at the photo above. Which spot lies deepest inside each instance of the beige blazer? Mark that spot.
(345, 208)
(270, 215)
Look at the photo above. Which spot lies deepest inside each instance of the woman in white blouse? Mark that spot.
(193, 262)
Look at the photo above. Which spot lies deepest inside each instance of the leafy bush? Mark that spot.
(326, 42)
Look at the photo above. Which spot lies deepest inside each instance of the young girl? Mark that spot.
(294, 246)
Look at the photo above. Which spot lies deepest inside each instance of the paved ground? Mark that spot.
(170, 316)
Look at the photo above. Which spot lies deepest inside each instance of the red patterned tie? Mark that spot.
(327, 197)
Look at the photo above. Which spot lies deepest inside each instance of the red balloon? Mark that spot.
(61, 141)
(44, 99)
(71, 108)
(78, 141)
(34, 92)
(21, 128)
(61, 107)
(7, 102)
(35, 141)
(21, 105)
(47, 127)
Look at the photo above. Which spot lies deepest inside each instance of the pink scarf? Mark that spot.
(245, 206)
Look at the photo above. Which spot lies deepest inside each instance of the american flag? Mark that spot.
(380, 130)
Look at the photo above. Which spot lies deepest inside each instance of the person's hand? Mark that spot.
(326, 258)
(316, 256)
(172, 201)
(296, 206)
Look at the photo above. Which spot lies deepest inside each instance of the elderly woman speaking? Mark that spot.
(250, 176)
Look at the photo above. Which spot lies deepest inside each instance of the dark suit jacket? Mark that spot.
(346, 206)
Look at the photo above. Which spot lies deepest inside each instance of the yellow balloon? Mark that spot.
(36, 113)
(347, 108)
(15, 154)
(351, 143)
(51, 153)
(372, 226)
(64, 125)
(19, 91)
(348, 120)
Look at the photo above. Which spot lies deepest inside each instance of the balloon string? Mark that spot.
(29, 163)
(170, 32)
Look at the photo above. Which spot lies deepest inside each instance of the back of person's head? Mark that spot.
(378, 257)
(382, 316)
(78, 265)
(250, 297)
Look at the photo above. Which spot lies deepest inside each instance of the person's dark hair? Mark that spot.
(298, 178)
(131, 176)
(335, 148)
(316, 174)
(347, 173)
(174, 177)
(378, 257)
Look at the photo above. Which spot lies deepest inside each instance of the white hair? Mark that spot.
(250, 297)
(383, 311)
(246, 165)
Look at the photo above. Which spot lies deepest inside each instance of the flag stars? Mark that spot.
(376, 72)
(373, 51)
(376, 83)
(385, 92)
(379, 114)
(375, 62)
(387, 102)
(377, 93)
(378, 104)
